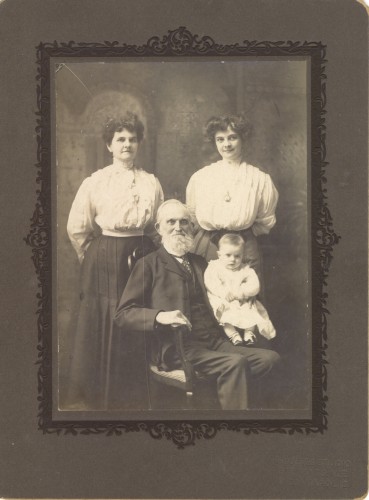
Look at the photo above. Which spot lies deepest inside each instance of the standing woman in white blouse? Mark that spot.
(231, 195)
(112, 214)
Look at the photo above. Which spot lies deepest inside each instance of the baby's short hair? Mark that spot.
(231, 239)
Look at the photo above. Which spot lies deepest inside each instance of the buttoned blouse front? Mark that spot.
(118, 200)
(252, 203)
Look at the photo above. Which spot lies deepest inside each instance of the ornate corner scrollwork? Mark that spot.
(181, 42)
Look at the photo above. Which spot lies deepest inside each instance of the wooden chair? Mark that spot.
(184, 379)
(190, 382)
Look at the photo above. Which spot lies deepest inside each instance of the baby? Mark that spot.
(232, 287)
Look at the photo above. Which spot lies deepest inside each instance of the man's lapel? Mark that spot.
(198, 272)
(171, 264)
(200, 277)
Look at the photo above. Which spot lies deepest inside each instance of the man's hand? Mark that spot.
(173, 318)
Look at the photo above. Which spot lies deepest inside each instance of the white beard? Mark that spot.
(177, 243)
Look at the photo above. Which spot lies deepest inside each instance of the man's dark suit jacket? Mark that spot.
(158, 283)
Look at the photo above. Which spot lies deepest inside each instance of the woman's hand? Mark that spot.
(173, 318)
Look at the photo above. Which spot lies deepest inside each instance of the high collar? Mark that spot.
(233, 165)
(119, 166)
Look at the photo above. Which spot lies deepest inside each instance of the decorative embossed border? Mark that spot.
(181, 42)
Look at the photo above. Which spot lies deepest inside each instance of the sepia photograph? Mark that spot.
(183, 259)
(185, 249)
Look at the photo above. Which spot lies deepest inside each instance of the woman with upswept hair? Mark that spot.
(112, 214)
(231, 195)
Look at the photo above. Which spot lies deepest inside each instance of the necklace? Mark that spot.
(233, 183)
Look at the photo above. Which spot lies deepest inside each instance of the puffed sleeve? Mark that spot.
(191, 199)
(150, 228)
(159, 196)
(81, 222)
(265, 218)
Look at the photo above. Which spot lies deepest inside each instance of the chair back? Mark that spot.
(137, 254)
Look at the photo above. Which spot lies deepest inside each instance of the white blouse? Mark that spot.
(220, 196)
(120, 201)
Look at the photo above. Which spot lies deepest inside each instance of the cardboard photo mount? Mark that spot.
(318, 457)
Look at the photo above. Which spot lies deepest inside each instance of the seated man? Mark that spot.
(166, 288)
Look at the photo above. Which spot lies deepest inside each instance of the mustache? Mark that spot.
(182, 234)
(179, 242)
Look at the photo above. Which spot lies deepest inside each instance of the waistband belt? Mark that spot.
(123, 234)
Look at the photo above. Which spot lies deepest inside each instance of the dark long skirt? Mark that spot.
(107, 365)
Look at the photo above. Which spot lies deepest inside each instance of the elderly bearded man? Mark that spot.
(166, 289)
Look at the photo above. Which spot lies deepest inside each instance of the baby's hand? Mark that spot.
(249, 300)
(220, 310)
(230, 296)
(238, 296)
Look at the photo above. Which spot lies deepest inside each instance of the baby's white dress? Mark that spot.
(244, 312)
